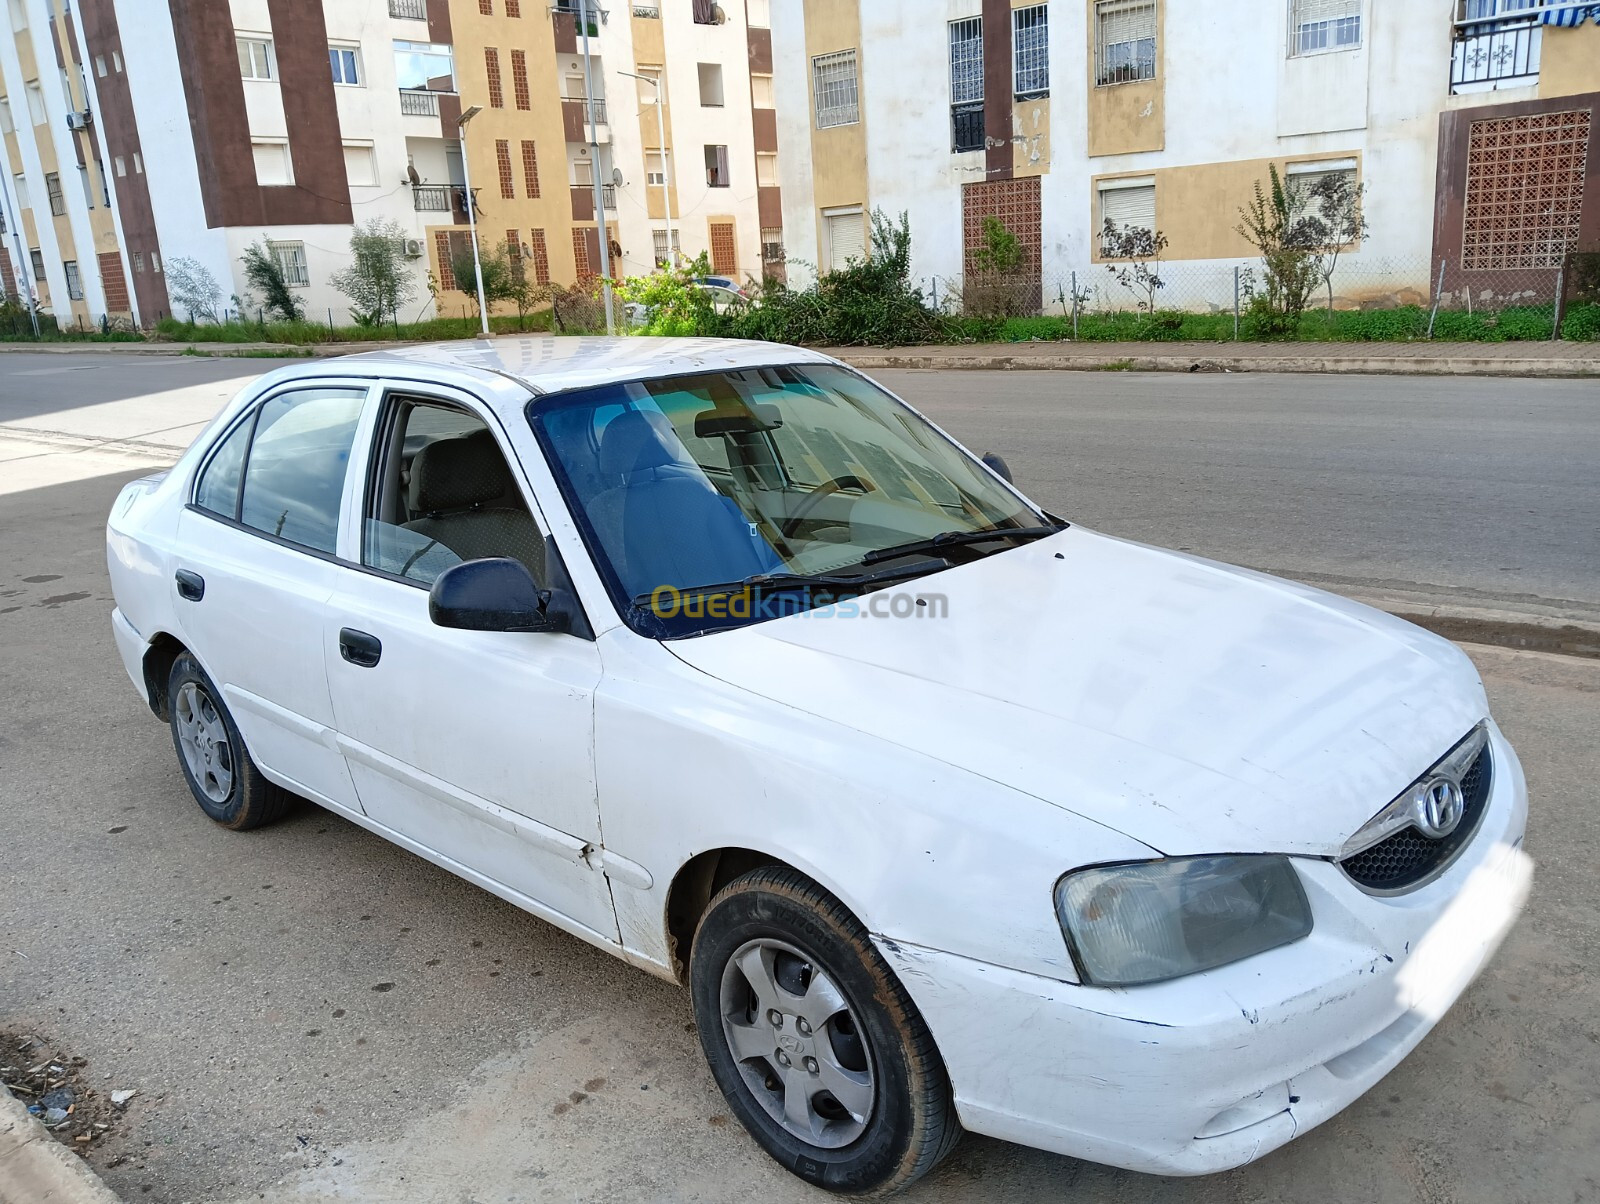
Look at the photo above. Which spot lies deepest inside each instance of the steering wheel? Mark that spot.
(828, 488)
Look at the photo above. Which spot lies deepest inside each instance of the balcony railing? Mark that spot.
(432, 198)
(608, 195)
(647, 12)
(583, 108)
(1496, 51)
(409, 10)
(966, 122)
(415, 102)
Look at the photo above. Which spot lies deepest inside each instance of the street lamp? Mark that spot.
(472, 211)
(657, 81)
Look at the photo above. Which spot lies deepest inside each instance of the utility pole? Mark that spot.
(594, 173)
(472, 212)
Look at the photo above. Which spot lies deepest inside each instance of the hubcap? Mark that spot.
(798, 1045)
(203, 737)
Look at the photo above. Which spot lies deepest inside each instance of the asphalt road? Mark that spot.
(1476, 491)
(311, 1015)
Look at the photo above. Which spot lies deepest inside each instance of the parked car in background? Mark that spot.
(950, 814)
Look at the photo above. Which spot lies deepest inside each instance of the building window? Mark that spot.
(519, 79)
(155, 262)
(1124, 41)
(37, 259)
(486, 8)
(1030, 51)
(138, 261)
(291, 257)
(835, 92)
(710, 85)
(539, 251)
(52, 189)
(23, 200)
(706, 12)
(424, 66)
(346, 63)
(1308, 175)
(35, 101)
(256, 60)
(724, 250)
(659, 240)
(100, 65)
(74, 280)
(846, 237)
(6, 125)
(655, 169)
(761, 92)
(772, 245)
(1524, 190)
(766, 169)
(273, 166)
(966, 84)
(513, 8)
(583, 174)
(360, 165)
(491, 65)
(1318, 25)
(716, 167)
(502, 156)
(138, 163)
(116, 61)
(530, 168)
(1127, 204)
(87, 184)
(120, 164)
(759, 13)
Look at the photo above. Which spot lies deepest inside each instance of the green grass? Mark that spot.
(307, 333)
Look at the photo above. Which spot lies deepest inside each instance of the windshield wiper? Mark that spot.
(771, 582)
(955, 539)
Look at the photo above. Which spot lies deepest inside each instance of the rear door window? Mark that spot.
(294, 475)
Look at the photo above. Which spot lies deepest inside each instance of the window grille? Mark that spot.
(836, 93)
(1030, 46)
(1125, 41)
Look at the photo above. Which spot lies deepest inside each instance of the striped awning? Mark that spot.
(1568, 15)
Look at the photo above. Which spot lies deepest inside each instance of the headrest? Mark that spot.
(452, 474)
(637, 440)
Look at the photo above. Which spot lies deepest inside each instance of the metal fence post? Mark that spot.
(1235, 303)
(1438, 294)
(1074, 303)
(1561, 296)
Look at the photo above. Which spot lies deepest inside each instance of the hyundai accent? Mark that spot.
(950, 814)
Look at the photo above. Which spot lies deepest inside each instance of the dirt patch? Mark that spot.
(52, 1084)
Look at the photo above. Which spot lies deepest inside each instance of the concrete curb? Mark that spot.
(1358, 364)
(1527, 631)
(35, 1168)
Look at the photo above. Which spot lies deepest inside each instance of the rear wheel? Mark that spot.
(819, 1050)
(211, 753)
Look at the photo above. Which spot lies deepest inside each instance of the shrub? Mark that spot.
(193, 289)
(376, 281)
(266, 276)
(1139, 251)
(1582, 322)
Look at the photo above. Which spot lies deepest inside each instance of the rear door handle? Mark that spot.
(359, 648)
(191, 585)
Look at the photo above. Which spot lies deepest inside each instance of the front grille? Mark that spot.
(1407, 858)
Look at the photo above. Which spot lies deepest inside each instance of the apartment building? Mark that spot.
(1469, 126)
(671, 113)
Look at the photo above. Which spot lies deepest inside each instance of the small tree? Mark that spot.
(499, 283)
(1139, 252)
(1274, 224)
(1333, 220)
(266, 276)
(376, 281)
(1001, 250)
(995, 286)
(193, 289)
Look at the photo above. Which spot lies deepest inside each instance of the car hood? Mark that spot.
(1195, 707)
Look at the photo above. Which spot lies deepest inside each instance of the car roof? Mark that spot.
(551, 363)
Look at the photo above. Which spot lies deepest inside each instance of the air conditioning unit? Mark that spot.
(413, 248)
(80, 120)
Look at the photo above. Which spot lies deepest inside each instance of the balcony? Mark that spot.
(966, 121)
(409, 10)
(608, 195)
(1494, 51)
(575, 120)
(416, 102)
(433, 198)
(647, 12)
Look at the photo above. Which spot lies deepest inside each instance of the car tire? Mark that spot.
(791, 1000)
(213, 758)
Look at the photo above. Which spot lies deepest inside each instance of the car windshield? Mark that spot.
(806, 478)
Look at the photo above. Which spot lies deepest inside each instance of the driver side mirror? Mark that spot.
(999, 467)
(497, 594)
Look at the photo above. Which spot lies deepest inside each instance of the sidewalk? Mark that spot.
(1422, 359)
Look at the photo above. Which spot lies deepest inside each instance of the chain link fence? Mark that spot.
(1365, 297)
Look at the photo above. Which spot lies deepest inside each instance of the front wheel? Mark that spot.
(819, 1050)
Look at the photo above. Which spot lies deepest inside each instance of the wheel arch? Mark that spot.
(159, 656)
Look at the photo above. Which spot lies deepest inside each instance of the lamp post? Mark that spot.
(658, 81)
(594, 172)
(472, 212)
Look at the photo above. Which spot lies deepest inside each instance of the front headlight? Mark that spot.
(1155, 920)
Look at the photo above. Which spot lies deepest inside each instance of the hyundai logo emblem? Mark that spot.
(1440, 808)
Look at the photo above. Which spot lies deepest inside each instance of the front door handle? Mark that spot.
(191, 585)
(359, 648)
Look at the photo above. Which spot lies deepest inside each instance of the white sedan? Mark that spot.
(951, 815)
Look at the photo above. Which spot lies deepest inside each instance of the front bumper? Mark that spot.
(1214, 1070)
